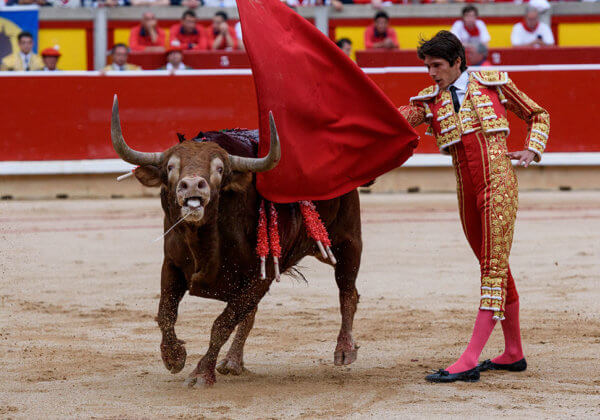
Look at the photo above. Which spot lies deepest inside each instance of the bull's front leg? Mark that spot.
(172, 289)
(235, 311)
(346, 271)
(233, 363)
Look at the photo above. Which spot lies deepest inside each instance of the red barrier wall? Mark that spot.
(68, 117)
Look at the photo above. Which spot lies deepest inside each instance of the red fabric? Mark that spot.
(474, 31)
(137, 42)
(211, 39)
(338, 130)
(527, 28)
(371, 38)
(196, 41)
(274, 231)
(262, 236)
(471, 162)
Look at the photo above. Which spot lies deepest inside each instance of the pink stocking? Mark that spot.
(484, 325)
(513, 351)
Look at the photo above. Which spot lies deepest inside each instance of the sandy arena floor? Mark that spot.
(79, 284)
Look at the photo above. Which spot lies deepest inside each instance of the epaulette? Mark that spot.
(427, 93)
(491, 77)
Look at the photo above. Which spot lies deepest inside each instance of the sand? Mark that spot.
(79, 288)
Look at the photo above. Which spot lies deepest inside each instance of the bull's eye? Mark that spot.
(220, 169)
(170, 168)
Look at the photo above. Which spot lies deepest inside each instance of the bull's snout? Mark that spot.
(193, 194)
(193, 185)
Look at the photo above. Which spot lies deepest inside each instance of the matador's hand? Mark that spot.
(525, 157)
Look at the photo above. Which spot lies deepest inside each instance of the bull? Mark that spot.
(211, 211)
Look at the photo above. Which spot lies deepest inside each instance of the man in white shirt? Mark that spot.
(531, 32)
(24, 59)
(470, 30)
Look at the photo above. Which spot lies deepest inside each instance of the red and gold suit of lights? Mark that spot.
(486, 182)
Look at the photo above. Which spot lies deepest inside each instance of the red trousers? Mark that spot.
(488, 198)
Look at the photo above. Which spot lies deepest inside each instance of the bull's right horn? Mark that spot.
(244, 164)
(125, 152)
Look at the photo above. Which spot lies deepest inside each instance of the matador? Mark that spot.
(467, 115)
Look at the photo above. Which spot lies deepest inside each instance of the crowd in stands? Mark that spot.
(189, 35)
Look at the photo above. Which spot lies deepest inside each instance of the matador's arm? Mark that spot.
(536, 117)
(415, 113)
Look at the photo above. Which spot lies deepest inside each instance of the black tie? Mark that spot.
(454, 98)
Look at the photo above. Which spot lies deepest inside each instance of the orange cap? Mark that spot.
(50, 52)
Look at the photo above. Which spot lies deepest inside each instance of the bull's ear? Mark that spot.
(238, 181)
(149, 175)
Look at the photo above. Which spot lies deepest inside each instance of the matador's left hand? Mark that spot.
(525, 157)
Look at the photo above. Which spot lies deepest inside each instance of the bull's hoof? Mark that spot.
(200, 380)
(229, 366)
(173, 356)
(346, 356)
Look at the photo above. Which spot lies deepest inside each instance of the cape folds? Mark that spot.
(338, 130)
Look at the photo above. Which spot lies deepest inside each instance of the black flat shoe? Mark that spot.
(518, 366)
(442, 375)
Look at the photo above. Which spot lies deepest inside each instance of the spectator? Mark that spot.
(221, 36)
(24, 59)
(477, 55)
(531, 32)
(50, 57)
(379, 34)
(345, 45)
(469, 29)
(188, 34)
(147, 36)
(175, 60)
(120, 54)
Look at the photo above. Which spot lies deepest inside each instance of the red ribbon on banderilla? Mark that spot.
(268, 235)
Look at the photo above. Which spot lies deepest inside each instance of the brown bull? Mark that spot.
(211, 253)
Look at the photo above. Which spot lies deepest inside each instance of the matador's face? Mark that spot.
(440, 70)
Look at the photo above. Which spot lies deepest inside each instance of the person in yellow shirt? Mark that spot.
(24, 59)
(120, 53)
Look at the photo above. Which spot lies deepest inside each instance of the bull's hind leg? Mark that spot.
(346, 270)
(234, 361)
(172, 289)
(235, 312)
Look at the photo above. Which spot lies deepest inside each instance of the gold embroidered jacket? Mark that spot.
(489, 95)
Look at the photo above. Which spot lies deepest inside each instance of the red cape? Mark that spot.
(338, 130)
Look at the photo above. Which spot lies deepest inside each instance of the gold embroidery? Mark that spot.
(496, 124)
(503, 203)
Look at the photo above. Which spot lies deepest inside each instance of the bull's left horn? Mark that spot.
(244, 164)
(125, 152)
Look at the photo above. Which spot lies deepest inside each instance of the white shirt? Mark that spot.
(238, 30)
(461, 86)
(458, 29)
(181, 66)
(521, 36)
(26, 59)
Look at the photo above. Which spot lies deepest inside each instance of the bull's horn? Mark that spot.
(125, 152)
(244, 164)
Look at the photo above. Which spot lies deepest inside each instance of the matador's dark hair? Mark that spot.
(443, 45)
